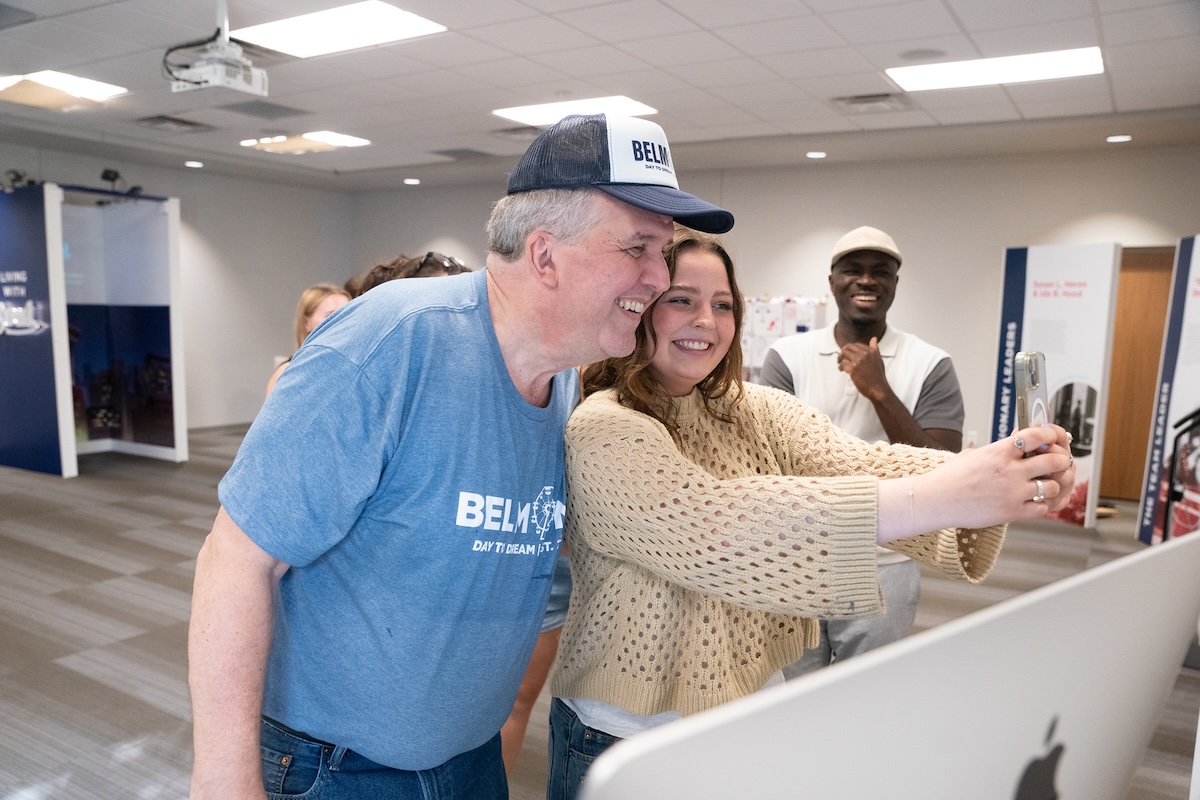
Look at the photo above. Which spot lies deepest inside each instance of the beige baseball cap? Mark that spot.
(865, 238)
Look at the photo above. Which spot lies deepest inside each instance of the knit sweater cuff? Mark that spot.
(851, 536)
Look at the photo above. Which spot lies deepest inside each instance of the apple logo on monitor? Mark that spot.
(1037, 782)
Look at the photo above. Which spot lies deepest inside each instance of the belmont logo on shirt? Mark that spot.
(506, 515)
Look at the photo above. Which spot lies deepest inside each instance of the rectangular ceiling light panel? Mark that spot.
(995, 71)
(338, 29)
(550, 113)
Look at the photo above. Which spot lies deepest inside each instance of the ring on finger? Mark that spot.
(1020, 444)
(1040, 496)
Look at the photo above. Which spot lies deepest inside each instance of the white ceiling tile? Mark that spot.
(1169, 56)
(1063, 35)
(831, 6)
(719, 70)
(986, 16)
(528, 37)
(467, 16)
(689, 105)
(1069, 107)
(628, 21)
(200, 18)
(895, 119)
(379, 62)
(1085, 86)
(787, 111)
(826, 87)
(77, 45)
(1109, 6)
(745, 130)
(714, 74)
(682, 48)
(19, 57)
(970, 115)
(642, 84)
(781, 36)
(919, 51)
(943, 99)
(722, 13)
(588, 62)
(924, 18)
(1156, 95)
(134, 27)
(54, 8)
(448, 50)
(134, 71)
(764, 93)
(510, 72)
(1147, 24)
(817, 125)
(556, 6)
(818, 63)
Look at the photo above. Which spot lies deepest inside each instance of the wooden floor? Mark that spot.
(95, 582)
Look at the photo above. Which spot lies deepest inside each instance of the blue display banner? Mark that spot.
(1012, 318)
(1171, 407)
(29, 437)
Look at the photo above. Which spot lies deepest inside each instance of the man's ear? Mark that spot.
(831, 280)
(540, 249)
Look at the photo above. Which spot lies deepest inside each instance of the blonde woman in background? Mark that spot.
(316, 303)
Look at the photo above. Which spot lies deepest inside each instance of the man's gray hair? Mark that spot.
(567, 213)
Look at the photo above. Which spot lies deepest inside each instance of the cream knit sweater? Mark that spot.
(699, 569)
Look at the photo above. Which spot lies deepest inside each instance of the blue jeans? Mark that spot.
(298, 768)
(573, 748)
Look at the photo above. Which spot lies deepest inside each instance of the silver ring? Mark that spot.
(1039, 497)
(1020, 443)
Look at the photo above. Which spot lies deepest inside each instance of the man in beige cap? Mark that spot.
(880, 384)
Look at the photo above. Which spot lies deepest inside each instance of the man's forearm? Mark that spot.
(228, 640)
(903, 428)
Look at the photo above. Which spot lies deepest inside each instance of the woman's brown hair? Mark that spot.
(636, 388)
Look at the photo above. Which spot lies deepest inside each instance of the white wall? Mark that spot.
(250, 247)
(952, 220)
(416, 220)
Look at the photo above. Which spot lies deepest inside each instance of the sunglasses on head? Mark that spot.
(436, 262)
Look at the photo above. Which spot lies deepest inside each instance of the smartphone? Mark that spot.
(1033, 404)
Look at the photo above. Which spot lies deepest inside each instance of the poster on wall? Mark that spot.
(1060, 300)
(1170, 504)
(767, 319)
(29, 435)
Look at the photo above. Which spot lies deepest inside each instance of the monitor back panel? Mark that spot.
(1055, 692)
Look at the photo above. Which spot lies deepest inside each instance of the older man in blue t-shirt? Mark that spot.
(374, 582)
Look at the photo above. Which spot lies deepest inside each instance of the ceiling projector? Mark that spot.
(220, 65)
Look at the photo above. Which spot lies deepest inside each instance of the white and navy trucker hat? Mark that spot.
(625, 157)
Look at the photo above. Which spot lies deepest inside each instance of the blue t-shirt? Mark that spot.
(419, 499)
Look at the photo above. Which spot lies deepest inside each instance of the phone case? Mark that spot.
(1033, 405)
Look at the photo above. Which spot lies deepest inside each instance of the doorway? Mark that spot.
(1143, 292)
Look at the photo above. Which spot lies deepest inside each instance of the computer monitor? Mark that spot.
(1054, 693)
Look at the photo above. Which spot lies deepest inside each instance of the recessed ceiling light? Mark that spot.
(194, 164)
(338, 29)
(815, 154)
(994, 71)
(412, 181)
(1120, 137)
(550, 113)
